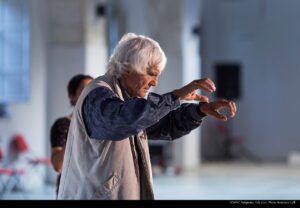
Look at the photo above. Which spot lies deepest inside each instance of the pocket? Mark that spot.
(106, 189)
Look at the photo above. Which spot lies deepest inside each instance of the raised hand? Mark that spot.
(189, 91)
(214, 107)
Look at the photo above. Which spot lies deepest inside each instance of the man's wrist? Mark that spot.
(199, 109)
(175, 95)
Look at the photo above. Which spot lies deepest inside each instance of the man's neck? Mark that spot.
(125, 93)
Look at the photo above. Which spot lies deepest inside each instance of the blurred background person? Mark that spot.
(60, 128)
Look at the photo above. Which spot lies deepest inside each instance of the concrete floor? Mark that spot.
(215, 181)
(232, 181)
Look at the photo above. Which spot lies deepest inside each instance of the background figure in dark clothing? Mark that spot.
(60, 128)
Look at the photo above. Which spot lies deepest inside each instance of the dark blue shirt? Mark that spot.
(106, 116)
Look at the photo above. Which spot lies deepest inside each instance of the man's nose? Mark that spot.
(153, 82)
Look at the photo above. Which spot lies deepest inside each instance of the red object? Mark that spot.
(46, 161)
(222, 128)
(238, 140)
(20, 143)
(1, 154)
(10, 171)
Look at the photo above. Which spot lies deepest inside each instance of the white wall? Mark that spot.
(76, 44)
(65, 58)
(190, 43)
(96, 55)
(264, 37)
(170, 23)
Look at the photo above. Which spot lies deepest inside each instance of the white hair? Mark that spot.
(138, 52)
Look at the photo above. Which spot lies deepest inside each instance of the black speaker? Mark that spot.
(101, 10)
(228, 80)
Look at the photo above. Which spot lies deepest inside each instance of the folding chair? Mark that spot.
(19, 146)
(12, 177)
(9, 177)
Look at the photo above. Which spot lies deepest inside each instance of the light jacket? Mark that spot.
(102, 168)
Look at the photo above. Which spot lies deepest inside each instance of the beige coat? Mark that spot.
(102, 168)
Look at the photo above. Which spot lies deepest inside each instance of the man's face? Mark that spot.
(138, 85)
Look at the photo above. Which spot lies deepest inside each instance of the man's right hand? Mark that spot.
(189, 91)
(213, 108)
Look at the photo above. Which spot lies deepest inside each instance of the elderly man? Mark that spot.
(107, 154)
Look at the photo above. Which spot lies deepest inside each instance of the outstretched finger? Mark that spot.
(232, 108)
(235, 109)
(204, 85)
(229, 104)
(201, 98)
(210, 82)
(207, 80)
(222, 103)
(218, 115)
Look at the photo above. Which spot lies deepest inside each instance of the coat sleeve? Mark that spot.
(177, 123)
(106, 116)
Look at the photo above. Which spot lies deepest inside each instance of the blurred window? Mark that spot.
(113, 25)
(14, 50)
